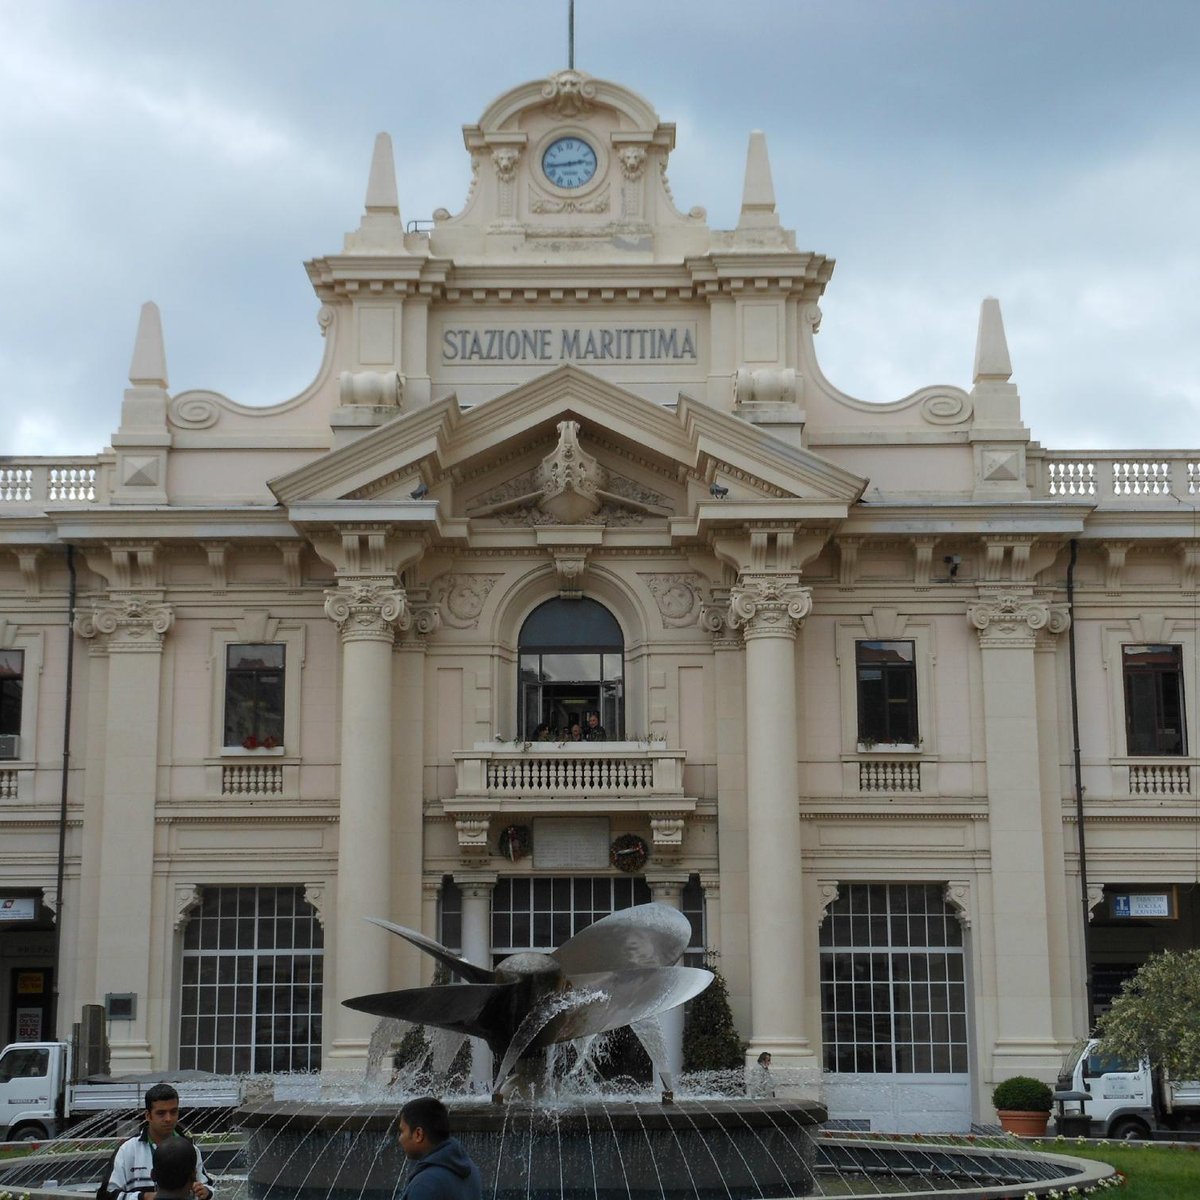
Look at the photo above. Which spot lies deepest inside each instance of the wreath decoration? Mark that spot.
(628, 853)
(516, 842)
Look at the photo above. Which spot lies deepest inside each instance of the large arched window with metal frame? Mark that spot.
(572, 664)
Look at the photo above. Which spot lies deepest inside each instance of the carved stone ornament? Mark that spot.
(187, 900)
(633, 161)
(366, 611)
(505, 160)
(827, 892)
(462, 598)
(666, 832)
(1009, 619)
(678, 597)
(569, 93)
(768, 605)
(426, 620)
(569, 478)
(132, 623)
(550, 205)
(473, 837)
(765, 385)
(376, 389)
(569, 563)
(957, 896)
(314, 894)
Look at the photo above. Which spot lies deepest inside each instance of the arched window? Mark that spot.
(572, 666)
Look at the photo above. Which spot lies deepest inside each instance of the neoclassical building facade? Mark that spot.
(896, 704)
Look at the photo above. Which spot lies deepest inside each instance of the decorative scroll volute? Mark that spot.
(367, 611)
(1009, 619)
(130, 623)
(769, 605)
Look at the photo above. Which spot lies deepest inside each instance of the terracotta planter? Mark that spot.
(1023, 1124)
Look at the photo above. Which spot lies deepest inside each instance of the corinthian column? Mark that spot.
(133, 628)
(367, 612)
(1022, 830)
(769, 608)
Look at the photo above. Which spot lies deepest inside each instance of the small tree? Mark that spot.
(1157, 1015)
(710, 1039)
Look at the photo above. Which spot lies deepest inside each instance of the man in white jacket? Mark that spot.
(131, 1174)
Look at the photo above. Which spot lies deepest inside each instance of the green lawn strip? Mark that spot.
(1151, 1172)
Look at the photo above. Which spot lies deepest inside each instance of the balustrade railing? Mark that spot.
(8, 784)
(54, 480)
(1160, 779)
(889, 775)
(252, 779)
(538, 770)
(1116, 478)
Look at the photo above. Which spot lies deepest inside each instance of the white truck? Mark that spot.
(1124, 1100)
(40, 1097)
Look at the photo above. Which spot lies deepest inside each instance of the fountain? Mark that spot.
(333, 1140)
(531, 1142)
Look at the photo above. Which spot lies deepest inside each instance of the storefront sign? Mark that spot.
(18, 908)
(1142, 904)
(474, 345)
(29, 1025)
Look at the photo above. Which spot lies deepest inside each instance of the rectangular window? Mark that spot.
(252, 983)
(1154, 713)
(12, 686)
(887, 693)
(254, 696)
(893, 987)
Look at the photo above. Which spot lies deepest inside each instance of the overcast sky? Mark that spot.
(1043, 151)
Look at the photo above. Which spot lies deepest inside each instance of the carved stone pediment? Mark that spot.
(570, 487)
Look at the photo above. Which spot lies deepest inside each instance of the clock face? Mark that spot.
(569, 162)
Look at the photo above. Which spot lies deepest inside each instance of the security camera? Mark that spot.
(717, 491)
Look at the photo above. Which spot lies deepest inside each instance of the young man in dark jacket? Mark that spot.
(441, 1169)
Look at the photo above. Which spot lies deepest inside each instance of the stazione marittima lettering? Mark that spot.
(580, 345)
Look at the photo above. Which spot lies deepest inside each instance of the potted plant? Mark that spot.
(1023, 1105)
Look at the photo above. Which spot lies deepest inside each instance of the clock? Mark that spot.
(569, 162)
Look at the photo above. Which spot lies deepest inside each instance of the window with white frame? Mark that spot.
(886, 675)
(252, 975)
(12, 692)
(254, 683)
(893, 986)
(1154, 707)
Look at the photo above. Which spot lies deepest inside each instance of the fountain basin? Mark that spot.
(587, 1150)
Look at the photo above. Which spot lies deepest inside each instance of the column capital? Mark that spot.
(667, 886)
(1011, 619)
(768, 605)
(476, 883)
(130, 623)
(369, 610)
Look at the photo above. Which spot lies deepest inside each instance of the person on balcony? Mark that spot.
(594, 731)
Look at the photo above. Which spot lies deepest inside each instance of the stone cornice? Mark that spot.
(894, 814)
(262, 816)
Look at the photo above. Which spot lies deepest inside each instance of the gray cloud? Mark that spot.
(941, 151)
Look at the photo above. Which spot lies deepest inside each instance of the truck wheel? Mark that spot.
(28, 1133)
(1129, 1129)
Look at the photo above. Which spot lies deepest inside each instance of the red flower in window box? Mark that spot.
(270, 742)
(250, 742)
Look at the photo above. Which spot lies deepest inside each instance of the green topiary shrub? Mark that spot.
(1022, 1093)
(710, 1040)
